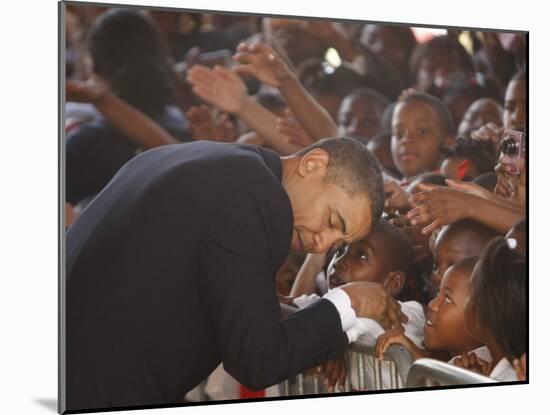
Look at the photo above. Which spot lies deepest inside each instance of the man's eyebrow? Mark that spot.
(342, 222)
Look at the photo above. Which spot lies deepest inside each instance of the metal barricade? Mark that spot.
(425, 371)
(365, 372)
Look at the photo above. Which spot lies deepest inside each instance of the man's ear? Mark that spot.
(314, 162)
(394, 282)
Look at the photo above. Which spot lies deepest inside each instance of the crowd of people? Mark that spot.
(445, 116)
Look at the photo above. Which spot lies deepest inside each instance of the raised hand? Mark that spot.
(90, 91)
(219, 86)
(262, 62)
(290, 128)
(490, 133)
(206, 125)
(438, 206)
(396, 198)
(470, 188)
(371, 300)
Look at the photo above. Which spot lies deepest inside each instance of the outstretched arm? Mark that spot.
(224, 89)
(435, 207)
(133, 123)
(263, 62)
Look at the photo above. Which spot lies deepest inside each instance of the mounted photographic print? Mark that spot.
(263, 207)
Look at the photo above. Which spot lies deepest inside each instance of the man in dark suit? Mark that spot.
(171, 269)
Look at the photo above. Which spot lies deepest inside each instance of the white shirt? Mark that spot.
(504, 371)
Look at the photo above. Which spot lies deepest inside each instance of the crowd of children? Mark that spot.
(452, 245)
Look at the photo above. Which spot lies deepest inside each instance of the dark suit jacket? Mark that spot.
(171, 270)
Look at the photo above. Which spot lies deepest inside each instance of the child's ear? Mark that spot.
(394, 282)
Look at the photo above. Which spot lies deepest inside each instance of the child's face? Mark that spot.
(416, 138)
(481, 112)
(515, 105)
(362, 261)
(382, 41)
(435, 71)
(445, 327)
(359, 117)
(450, 249)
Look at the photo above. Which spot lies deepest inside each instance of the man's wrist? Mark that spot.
(342, 302)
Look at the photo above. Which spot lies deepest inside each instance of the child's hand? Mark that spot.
(520, 367)
(206, 125)
(262, 62)
(470, 188)
(489, 133)
(334, 373)
(438, 206)
(220, 87)
(90, 91)
(325, 31)
(371, 300)
(473, 363)
(385, 340)
(396, 198)
(290, 128)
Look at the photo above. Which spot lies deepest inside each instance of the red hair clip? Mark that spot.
(463, 168)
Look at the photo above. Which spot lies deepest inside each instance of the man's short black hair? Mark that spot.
(442, 111)
(354, 169)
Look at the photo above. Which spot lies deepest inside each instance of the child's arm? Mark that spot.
(396, 336)
(305, 280)
(262, 62)
(226, 90)
(134, 124)
(435, 207)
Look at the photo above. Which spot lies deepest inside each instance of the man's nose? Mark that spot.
(323, 241)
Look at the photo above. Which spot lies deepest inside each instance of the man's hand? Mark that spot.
(371, 300)
(219, 86)
(206, 125)
(262, 62)
(439, 206)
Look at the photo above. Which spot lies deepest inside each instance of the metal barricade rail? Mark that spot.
(425, 371)
(397, 371)
(365, 372)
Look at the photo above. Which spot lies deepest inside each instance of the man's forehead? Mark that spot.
(358, 217)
